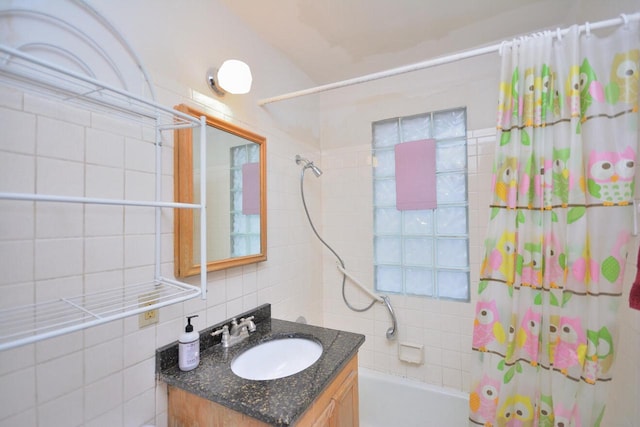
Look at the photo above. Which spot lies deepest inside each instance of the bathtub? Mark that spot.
(390, 401)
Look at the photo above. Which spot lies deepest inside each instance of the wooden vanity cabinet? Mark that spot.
(188, 410)
(337, 406)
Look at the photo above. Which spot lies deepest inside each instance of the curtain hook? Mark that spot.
(559, 34)
(625, 19)
(502, 45)
(587, 29)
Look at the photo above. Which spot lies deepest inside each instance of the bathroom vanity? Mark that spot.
(325, 393)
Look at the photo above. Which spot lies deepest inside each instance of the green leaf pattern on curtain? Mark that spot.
(560, 218)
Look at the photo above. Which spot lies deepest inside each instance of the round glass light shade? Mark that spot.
(234, 77)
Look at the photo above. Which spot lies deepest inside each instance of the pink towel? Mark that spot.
(634, 294)
(251, 188)
(416, 175)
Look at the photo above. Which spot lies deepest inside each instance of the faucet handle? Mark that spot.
(224, 330)
(234, 327)
(249, 323)
(225, 334)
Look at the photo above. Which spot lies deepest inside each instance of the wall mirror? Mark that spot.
(236, 196)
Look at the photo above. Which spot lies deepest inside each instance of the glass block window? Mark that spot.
(245, 229)
(422, 252)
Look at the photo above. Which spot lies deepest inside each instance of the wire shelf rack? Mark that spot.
(29, 323)
(33, 75)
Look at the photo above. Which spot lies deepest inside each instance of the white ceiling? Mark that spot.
(332, 40)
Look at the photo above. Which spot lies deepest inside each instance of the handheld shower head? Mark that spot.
(307, 164)
(316, 170)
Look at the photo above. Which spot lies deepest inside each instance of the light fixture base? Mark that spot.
(212, 82)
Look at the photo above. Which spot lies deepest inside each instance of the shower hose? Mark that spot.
(307, 164)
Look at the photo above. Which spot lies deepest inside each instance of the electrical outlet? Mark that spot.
(148, 317)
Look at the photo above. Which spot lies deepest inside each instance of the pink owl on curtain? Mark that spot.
(572, 344)
(528, 338)
(486, 326)
(483, 400)
(566, 417)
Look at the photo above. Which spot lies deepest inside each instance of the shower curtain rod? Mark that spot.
(623, 19)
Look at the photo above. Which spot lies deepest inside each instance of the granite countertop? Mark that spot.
(278, 402)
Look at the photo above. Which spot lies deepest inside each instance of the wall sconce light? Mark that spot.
(233, 76)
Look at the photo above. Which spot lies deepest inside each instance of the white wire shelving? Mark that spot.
(25, 324)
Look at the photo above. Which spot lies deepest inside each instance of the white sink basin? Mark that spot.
(277, 358)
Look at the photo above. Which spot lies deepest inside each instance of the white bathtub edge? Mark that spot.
(448, 391)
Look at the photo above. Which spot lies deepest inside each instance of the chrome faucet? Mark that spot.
(238, 333)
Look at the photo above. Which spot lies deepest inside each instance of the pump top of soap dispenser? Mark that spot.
(189, 327)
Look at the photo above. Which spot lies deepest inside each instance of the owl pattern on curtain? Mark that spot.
(560, 223)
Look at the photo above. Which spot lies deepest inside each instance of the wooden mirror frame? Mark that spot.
(184, 262)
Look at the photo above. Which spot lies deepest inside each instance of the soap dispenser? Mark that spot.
(189, 347)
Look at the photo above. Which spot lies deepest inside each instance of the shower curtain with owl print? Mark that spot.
(544, 335)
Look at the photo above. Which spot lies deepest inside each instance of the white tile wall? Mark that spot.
(104, 182)
(65, 410)
(104, 148)
(102, 220)
(58, 220)
(103, 395)
(58, 258)
(59, 376)
(17, 391)
(17, 126)
(140, 155)
(16, 253)
(53, 109)
(60, 139)
(17, 173)
(59, 177)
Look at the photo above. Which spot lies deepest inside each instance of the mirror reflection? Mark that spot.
(236, 196)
